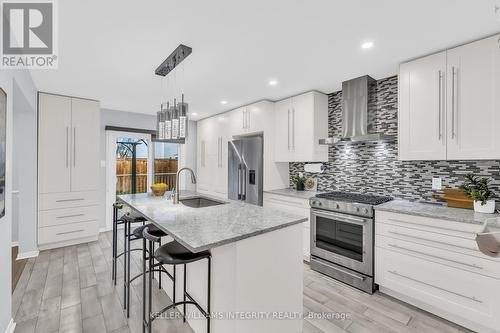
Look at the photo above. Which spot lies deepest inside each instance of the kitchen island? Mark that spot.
(256, 260)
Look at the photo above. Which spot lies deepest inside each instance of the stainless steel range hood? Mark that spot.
(357, 112)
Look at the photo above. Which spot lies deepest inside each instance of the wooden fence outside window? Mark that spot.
(164, 172)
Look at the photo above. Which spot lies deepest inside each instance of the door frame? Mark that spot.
(111, 137)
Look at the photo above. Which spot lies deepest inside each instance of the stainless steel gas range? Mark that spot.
(342, 236)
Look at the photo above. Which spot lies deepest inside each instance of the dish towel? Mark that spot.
(488, 240)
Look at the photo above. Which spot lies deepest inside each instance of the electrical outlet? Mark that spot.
(436, 183)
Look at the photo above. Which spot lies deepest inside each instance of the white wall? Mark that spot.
(24, 170)
(25, 86)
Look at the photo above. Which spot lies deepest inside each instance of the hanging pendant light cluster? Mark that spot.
(172, 118)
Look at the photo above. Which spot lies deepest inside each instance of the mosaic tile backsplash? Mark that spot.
(374, 168)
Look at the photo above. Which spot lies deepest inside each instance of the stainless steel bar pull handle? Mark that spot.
(67, 147)
(453, 101)
(68, 216)
(472, 298)
(239, 181)
(69, 232)
(68, 200)
(293, 129)
(74, 146)
(436, 257)
(440, 103)
(288, 129)
(244, 186)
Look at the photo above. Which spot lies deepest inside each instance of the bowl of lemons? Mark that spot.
(159, 189)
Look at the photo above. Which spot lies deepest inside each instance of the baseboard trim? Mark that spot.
(11, 327)
(26, 255)
(68, 242)
(105, 229)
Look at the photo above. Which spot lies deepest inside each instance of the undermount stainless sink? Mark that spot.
(200, 202)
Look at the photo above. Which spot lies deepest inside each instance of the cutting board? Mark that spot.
(455, 198)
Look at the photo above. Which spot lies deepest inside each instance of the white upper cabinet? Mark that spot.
(85, 143)
(300, 122)
(422, 103)
(253, 118)
(474, 100)
(54, 142)
(282, 146)
(449, 104)
(68, 144)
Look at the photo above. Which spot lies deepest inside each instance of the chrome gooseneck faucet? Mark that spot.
(193, 180)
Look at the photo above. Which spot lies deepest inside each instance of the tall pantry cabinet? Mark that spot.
(68, 170)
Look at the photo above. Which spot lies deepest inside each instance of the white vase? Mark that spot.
(487, 208)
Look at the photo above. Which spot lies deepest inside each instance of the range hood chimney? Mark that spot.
(356, 110)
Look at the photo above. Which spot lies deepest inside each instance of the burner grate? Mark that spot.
(354, 197)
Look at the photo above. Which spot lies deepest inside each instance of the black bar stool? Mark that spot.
(116, 222)
(126, 220)
(138, 234)
(172, 253)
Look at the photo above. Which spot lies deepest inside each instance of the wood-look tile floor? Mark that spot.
(17, 266)
(70, 290)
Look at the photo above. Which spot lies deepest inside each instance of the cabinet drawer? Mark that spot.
(451, 228)
(64, 232)
(285, 200)
(68, 215)
(287, 208)
(457, 295)
(453, 236)
(454, 259)
(415, 234)
(68, 199)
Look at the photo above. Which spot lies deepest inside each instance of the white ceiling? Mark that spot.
(108, 50)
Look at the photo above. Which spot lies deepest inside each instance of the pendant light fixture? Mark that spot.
(173, 120)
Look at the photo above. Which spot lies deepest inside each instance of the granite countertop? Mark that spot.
(200, 229)
(290, 192)
(435, 211)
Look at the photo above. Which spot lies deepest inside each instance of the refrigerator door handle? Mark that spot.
(244, 181)
(239, 181)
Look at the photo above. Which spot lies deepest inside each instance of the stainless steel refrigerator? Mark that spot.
(245, 168)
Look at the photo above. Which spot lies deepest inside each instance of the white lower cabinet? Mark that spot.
(434, 265)
(297, 206)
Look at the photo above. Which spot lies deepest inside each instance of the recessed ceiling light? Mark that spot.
(273, 82)
(367, 45)
(223, 102)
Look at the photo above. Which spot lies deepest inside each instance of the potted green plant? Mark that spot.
(299, 181)
(477, 188)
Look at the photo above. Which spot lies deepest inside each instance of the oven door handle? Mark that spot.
(339, 217)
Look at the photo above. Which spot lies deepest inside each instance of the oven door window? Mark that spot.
(342, 238)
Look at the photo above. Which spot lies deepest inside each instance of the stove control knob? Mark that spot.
(357, 209)
(320, 203)
(313, 202)
(337, 206)
(366, 210)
